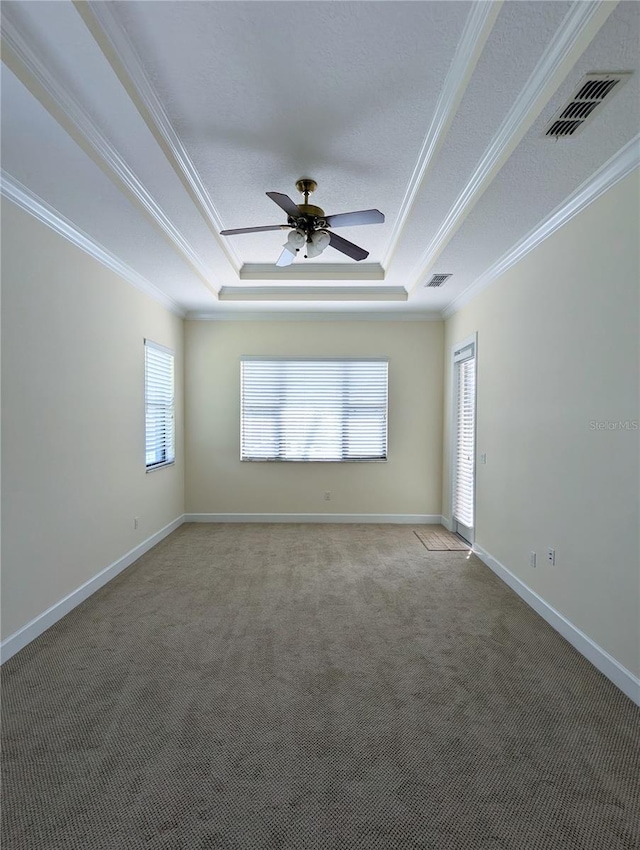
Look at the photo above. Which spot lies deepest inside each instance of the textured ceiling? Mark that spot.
(150, 126)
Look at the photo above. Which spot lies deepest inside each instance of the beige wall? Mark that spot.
(408, 483)
(558, 350)
(73, 473)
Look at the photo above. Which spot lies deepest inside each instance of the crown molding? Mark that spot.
(617, 168)
(313, 293)
(312, 271)
(119, 52)
(27, 65)
(580, 25)
(477, 28)
(312, 316)
(27, 200)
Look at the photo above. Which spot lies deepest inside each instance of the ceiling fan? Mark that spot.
(309, 226)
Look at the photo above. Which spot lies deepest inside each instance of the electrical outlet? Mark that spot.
(483, 457)
(551, 557)
(135, 522)
(532, 559)
(327, 496)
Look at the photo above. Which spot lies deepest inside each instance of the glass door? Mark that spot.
(464, 440)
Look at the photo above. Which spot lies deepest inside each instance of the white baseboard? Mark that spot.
(15, 642)
(405, 519)
(600, 658)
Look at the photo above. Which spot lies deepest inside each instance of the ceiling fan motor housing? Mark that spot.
(310, 211)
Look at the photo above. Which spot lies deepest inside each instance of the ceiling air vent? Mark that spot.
(593, 90)
(437, 279)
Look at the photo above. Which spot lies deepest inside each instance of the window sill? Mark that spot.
(311, 460)
(160, 465)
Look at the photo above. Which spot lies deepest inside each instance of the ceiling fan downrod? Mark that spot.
(305, 186)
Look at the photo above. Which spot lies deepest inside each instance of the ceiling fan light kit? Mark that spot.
(310, 226)
(317, 242)
(295, 240)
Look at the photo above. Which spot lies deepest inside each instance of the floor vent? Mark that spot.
(590, 94)
(437, 279)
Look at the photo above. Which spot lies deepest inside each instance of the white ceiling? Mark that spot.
(141, 129)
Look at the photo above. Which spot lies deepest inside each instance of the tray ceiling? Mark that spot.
(141, 129)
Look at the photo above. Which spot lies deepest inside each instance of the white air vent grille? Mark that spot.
(591, 92)
(437, 279)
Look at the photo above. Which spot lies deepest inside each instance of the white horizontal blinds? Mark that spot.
(465, 366)
(314, 410)
(159, 404)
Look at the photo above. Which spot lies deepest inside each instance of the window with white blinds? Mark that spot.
(313, 409)
(159, 405)
(463, 508)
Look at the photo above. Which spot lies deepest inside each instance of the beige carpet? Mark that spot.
(322, 687)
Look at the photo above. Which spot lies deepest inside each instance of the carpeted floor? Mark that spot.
(323, 687)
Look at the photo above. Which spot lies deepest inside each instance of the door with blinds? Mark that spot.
(464, 440)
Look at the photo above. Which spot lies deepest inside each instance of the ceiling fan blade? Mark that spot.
(285, 203)
(237, 230)
(354, 218)
(286, 258)
(347, 247)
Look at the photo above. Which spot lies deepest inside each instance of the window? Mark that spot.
(313, 409)
(158, 405)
